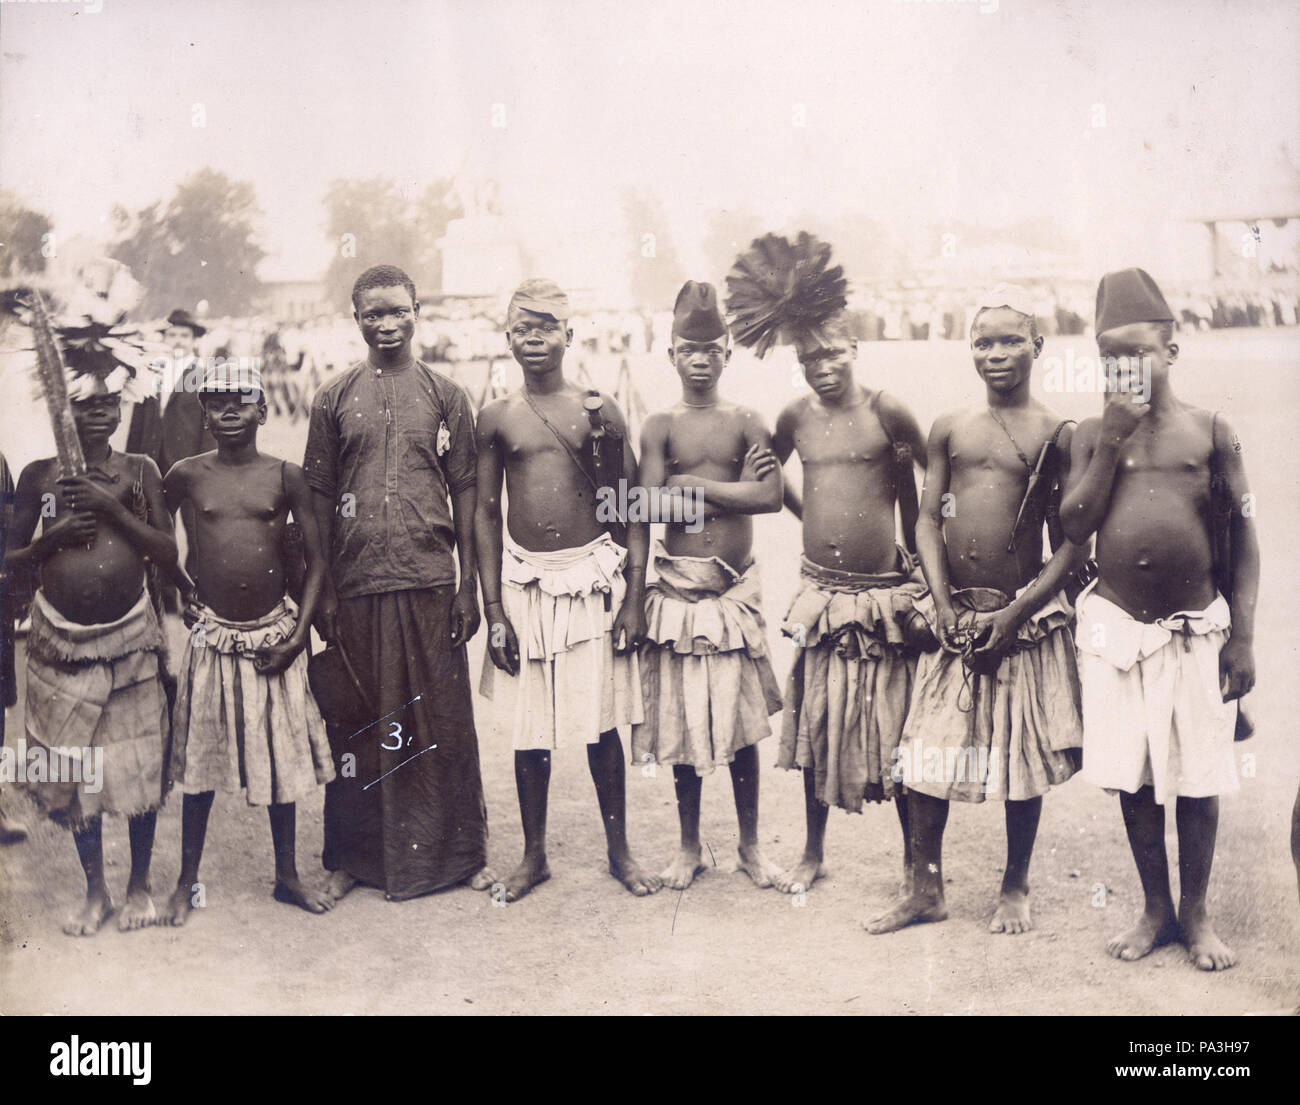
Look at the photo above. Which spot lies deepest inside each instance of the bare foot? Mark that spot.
(1149, 933)
(177, 909)
(338, 884)
(800, 877)
(629, 873)
(757, 866)
(915, 909)
(97, 910)
(1204, 948)
(483, 880)
(1012, 914)
(138, 912)
(679, 874)
(528, 874)
(11, 831)
(292, 892)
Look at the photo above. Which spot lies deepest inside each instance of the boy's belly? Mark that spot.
(550, 509)
(94, 585)
(848, 519)
(976, 539)
(1155, 557)
(729, 538)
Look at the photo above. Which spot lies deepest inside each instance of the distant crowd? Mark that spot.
(296, 357)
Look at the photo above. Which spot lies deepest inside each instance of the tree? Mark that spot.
(371, 222)
(656, 275)
(22, 237)
(200, 245)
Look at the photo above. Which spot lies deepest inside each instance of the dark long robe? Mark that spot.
(408, 819)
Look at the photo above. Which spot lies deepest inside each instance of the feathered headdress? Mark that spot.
(778, 291)
(71, 331)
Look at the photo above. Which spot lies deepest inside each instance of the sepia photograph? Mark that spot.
(731, 508)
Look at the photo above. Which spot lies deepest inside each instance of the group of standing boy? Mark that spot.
(939, 655)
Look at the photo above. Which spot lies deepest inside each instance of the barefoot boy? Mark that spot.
(1164, 653)
(94, 693)
(996, 707)
(706, 678)
(848, 691)
(564, 625)
(244, 717)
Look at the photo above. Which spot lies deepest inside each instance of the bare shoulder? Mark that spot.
(892, 409)
(295, 479)
(190, 468)
(143, 464)
(748, 421)
(1048, 420)
(794, 412)
(492, 415)
(656, 425)
(1205, 420)
(948, 421)
(38, 473)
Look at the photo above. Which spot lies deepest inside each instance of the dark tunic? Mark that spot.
(389, 447)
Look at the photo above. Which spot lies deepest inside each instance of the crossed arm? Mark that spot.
(757, 491)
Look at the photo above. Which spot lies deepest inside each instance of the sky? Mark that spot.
(1103, 115)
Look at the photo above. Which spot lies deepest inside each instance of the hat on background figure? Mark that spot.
(182, 317)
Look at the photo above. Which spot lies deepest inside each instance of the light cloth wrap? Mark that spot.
(571, 685)
(1153, 712)
(1001, 735)
(848, 691)
(97, 687)
(706, 677)
(236, 729)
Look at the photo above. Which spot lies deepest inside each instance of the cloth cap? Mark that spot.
(1013, 296)
(231, 375)
(541, 297)
(696, 316)
(1129, 296)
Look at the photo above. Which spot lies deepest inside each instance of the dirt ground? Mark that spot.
(580, 944)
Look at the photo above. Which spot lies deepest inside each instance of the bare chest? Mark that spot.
(853, 437)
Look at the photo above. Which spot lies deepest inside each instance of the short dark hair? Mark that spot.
(382, 276)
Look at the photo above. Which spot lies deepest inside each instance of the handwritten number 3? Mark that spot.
(395, 731)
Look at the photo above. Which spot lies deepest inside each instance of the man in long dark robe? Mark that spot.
(389, 444)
